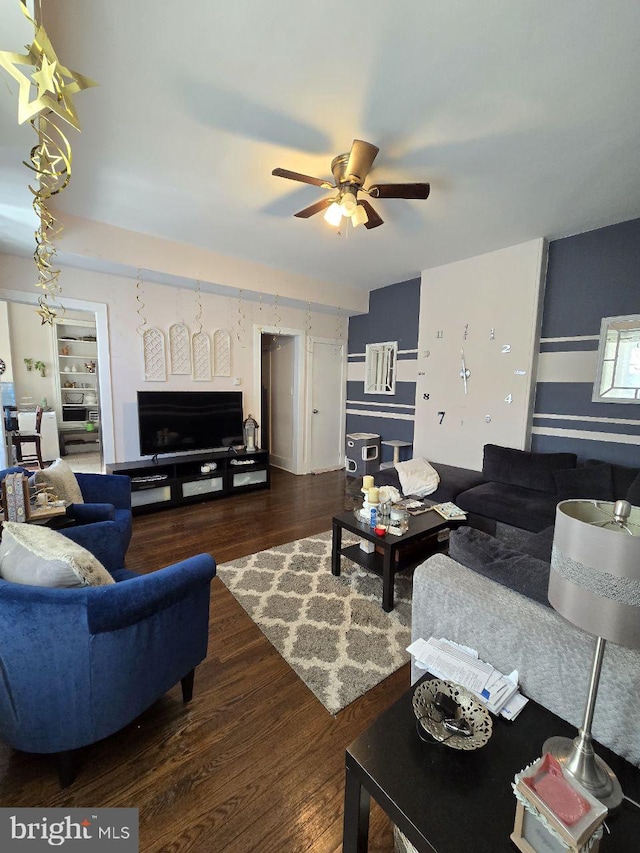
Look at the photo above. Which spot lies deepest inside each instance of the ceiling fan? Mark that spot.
(349, 173)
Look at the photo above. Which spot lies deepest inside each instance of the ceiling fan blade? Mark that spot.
(374, 219)
(400, 191)
(314, 208)
(361, 159)
(305, 179)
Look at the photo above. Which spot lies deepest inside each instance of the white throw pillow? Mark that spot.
(62, 481)
(38, 556)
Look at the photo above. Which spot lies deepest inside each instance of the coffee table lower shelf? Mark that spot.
(374, 561)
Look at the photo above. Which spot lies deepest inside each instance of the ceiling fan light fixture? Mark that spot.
(333, 214)
(348, 203)
(359, 216)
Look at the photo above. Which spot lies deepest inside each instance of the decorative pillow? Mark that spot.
(38, 556)
(525, 468)
(633, 495)
(62, 481)
(489, 557)
(594, 482)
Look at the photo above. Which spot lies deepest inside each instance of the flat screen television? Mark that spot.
(185, 421)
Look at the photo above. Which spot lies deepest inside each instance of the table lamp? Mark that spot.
(595, 584)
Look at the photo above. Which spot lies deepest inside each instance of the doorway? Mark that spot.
(51, 387)
(280, 397)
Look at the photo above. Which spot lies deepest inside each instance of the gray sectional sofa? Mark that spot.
(490, 592)
(519, 489)
(553, 658)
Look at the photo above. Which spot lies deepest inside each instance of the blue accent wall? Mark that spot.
(589, 276)
(394, 315)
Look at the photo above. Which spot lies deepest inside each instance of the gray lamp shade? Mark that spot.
(595, 571)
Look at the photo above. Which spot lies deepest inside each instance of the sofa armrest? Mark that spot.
(88, 513)
(106, 488)
(136, 599)
(102, 539)
(553, 658)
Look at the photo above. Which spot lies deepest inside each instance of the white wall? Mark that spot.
(165, 305)
(30, 339)
(5, 343)
(481, 305)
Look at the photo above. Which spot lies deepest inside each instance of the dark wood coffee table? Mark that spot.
(449, 801)
(396, 552)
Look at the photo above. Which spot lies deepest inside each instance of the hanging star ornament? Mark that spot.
(45, 95)
(54, 83)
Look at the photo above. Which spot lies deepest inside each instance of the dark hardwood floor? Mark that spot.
(254, 762)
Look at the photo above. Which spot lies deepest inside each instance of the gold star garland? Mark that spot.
(50, 159)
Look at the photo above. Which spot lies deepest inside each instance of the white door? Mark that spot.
(326, 404)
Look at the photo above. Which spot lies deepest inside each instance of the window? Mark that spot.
(618, 376)
(380, 368)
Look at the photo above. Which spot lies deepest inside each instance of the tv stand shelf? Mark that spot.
(175, 480)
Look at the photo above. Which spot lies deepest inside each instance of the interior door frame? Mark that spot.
(299, 400)
(339, 342)
(99, 309)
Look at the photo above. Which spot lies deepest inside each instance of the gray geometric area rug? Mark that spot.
(331, 630)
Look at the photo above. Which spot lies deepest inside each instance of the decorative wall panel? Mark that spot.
(221, 353)
(155, 360)
(201, 348)
(179, 349)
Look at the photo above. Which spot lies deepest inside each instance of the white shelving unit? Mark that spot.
(77, 386)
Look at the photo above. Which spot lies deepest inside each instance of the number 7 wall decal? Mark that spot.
(441, 416)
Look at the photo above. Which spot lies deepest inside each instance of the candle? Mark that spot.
(367, 482)
(373, 495)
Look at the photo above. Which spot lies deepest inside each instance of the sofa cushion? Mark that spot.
(527, 508)
(623, 478)
(593, 482)
(538, 545)
(633, 493)
(523, 468)
(62, 481)
(39, 556)
(489, 557)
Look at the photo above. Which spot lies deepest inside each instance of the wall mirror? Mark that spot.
(618, 375)
(380, 368)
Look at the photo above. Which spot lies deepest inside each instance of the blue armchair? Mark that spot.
(107, 498)
(79, 664)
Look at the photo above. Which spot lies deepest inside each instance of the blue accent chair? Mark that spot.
(76, 665)
(107, 498)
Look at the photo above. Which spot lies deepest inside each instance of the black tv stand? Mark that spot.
(163, 482)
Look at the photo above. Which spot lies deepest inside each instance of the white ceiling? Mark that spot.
(522, 115)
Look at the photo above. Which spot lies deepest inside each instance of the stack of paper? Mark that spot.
(453, 662)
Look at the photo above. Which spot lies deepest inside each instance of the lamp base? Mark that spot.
(588, 769)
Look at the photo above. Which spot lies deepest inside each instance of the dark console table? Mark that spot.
(449, 801)
(175, 480)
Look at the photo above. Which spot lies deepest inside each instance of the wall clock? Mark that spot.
(478, 322)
